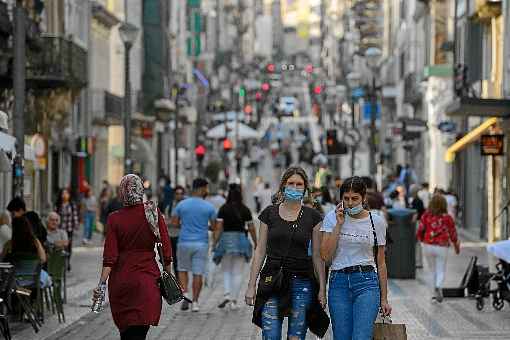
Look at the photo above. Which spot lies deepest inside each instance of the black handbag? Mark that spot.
(170, 288)
(273, 283)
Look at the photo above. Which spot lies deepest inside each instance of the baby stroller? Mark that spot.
(501, 278)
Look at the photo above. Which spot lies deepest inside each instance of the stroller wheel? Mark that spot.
(498, 304)
(479, 303)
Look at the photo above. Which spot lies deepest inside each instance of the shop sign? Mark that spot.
(39, 146)
(492, 145)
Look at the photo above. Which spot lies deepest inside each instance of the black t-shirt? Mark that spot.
(234, 216)
(417, 204)
(280, 233)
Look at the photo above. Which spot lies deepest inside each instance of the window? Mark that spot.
(77, 19)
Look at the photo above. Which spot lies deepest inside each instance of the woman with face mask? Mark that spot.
(358, 282)
(292, 282)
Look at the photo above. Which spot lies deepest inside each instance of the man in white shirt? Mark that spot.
(424, 194)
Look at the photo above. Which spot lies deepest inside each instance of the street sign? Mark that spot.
(358, 92)
(447, 127)
(492, 145)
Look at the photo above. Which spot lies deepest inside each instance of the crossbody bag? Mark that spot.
(274, 282)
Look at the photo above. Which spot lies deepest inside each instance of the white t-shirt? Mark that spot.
(356, 241)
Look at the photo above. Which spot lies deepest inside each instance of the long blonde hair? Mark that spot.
(295, 170)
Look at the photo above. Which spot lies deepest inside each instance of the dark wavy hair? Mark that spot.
(295, 170)
(235, 194)
(353, 184)
(23, 238)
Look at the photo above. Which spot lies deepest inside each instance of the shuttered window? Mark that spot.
(473, 51)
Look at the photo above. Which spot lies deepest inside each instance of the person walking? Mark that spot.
(129, 264)
(436, 232)
(292, 282)
(194, 215)
(104, 198)
(68, 212)
(354, 240)
(89, 216)
(173, 230)
(234, 249)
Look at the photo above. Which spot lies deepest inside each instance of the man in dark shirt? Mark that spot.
(17, 208)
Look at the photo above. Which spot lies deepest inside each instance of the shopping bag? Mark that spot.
(390, 331)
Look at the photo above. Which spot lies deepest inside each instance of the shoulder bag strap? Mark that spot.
(294, 227)
(376, 244)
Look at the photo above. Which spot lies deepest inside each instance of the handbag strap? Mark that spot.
(295, 226)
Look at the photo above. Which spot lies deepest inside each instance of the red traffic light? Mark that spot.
(227, 144)
(265, 87)
(270, 68)
(258, 96)
(317, 89)
(309, 68)
(200, 150)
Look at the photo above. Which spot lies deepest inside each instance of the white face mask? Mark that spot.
(354, 210)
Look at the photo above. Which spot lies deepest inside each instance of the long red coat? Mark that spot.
(135, 298)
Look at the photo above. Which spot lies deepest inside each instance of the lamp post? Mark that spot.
(373, 57)
(353, 80)
(128, 33)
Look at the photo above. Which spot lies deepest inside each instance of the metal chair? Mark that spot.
(57, 269)
(28, 273)
(7, 282)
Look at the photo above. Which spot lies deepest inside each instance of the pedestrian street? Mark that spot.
(454, 319)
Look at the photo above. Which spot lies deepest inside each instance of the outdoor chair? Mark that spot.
(7, 283)
(28, 272)
(57, 269)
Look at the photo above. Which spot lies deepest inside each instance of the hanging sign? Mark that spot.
(492, 145)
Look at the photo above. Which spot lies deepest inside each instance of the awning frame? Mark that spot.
(470, 137)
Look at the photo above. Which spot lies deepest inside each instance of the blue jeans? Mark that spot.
(88, 224)
(354, 301)
(301, 293)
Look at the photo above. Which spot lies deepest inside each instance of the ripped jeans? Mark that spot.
(301, 293)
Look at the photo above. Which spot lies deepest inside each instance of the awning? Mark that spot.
(7, 142)
(479, 107)
(468, 139)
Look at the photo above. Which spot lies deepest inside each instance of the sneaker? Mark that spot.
(184, 305)
(439, 295)
(195, 307)
(234, 305)
(224, 303)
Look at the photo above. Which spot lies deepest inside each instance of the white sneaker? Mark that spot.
(195, 307)
(234, 305)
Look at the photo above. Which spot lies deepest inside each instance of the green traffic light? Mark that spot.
(242, 92)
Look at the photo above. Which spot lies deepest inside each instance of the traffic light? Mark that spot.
(258, 96)
(248, 109)
(270, 68)
(309, 68)
(265, 87)
(242, 92)
(333, 146)
(200, 152)
(227, 145)
(317, 89)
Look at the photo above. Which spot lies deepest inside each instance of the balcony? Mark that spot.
(106, 108)
(61, 63)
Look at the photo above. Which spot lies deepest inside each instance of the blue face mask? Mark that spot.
(292, 194)
(354, 210)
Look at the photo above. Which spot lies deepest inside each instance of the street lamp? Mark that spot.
(373, 58)
(128, 33)
(353, 80)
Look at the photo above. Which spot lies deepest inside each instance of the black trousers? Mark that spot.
(134, 333)
(173, 242)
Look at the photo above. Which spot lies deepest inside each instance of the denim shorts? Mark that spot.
(353, 301)
(301, 294)
(192, 257)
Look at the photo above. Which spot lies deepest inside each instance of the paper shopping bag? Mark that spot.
(390, 331)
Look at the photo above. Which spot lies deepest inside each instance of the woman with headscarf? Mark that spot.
(129, 262)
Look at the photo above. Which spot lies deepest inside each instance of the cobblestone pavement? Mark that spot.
(453, 319)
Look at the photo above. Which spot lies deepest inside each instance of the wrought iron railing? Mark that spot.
(61, 63)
